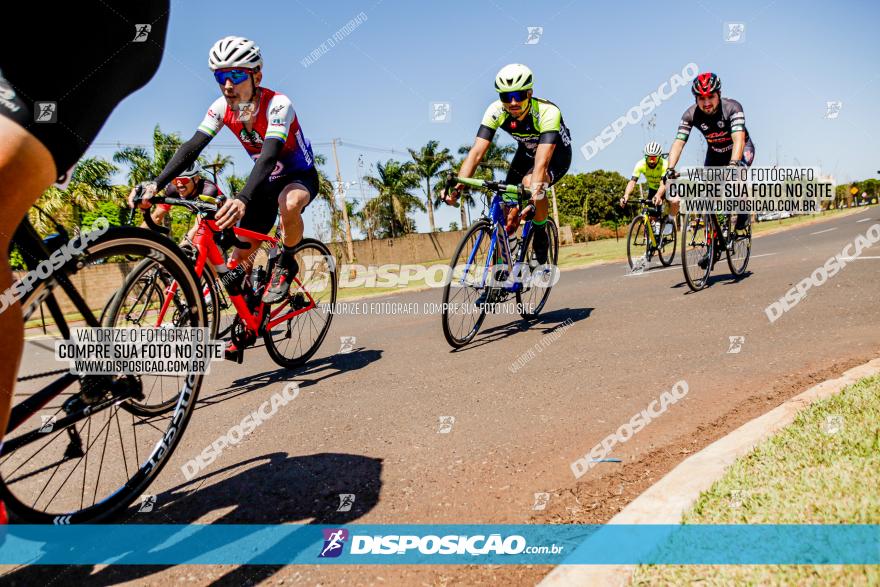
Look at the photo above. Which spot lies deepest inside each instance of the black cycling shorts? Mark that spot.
(716, 159)
(262, 210)
(64, 71)
(523, 163)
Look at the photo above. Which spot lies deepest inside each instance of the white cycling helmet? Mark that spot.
(653, 149)
(192, 172)
(514, 77)
(234, 52)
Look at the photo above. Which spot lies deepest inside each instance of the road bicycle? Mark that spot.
(484, 271)
(649, 235)
(704, 238)
(292, 329)
(79, 448)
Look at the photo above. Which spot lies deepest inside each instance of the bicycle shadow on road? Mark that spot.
(280, 489)
(728, 279)
(314, 372)
(545, 322)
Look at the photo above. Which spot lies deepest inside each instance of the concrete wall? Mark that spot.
(414, 248)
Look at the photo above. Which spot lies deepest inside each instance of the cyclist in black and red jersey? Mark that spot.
(723, 124)
(284, 177)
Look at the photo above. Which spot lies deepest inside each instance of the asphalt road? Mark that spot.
(375, 421)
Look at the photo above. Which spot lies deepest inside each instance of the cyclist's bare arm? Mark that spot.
(630, 186)
(539, 174)
(675, 152)
(469, 166)
(739, 145)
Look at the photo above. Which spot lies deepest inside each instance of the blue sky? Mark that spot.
(595, 60)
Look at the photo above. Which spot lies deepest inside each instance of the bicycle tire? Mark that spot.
(457, 341)
(115, 243)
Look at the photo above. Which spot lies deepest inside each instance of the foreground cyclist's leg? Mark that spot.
(26, 169)
(540, 240)
(292, 200)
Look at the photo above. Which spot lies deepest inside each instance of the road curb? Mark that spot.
(667, 500)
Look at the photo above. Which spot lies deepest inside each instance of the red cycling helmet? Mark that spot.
(706, 83)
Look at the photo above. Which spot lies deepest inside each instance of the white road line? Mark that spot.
(856, 258)
(864, 220)
(762, 255)
(652, 271)
(826, 230)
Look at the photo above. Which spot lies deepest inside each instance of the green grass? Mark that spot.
(807, 473)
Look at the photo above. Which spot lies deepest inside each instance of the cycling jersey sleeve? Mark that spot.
(687, 122)
(185, 156)
(734, 113)
(492, 119)
(639, 169)
(549, 123)
(280, 116)
(213, 121)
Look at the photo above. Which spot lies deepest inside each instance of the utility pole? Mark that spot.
(344, 207)
(555, 209)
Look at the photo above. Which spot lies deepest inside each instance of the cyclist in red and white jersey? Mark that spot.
(284, 177)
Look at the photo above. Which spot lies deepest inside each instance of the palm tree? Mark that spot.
(216, 165)
(393, 180)
(235, 183)
(142, 166)
(497, 158)
(429, 163)
(89, 186)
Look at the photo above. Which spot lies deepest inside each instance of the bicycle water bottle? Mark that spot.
(233, 277)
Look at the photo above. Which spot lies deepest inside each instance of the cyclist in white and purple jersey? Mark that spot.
(284, 177)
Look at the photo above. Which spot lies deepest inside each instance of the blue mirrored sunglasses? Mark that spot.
(519, 96)
(236, 75)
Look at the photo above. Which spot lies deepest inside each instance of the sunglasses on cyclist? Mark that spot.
(236, 75)
(183, 180)
(519, 96)
(653, 158)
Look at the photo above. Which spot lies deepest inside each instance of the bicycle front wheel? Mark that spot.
(636, 242)
(296, 327)
(697, 249)
(667, 242)
(467, 282)
(84, 455)
(740, 249)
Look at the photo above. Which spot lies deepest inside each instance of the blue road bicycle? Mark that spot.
(488, 267)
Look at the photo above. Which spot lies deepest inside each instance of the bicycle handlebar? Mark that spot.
(495, 186)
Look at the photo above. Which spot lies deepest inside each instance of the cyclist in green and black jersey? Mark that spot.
(544, 152)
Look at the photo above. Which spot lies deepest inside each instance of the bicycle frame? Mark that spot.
(499, 234)
(209, 252)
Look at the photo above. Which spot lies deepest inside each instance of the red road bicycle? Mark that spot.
(292, 329)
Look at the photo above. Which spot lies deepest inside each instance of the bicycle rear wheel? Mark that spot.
(467, 281)
(296, 327)
(542, 276)
(697, 249)
(741, 247)
(78, 455)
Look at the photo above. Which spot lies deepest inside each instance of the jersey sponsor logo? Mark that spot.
(276, 121)
(704, 126)
(276, 109)
(512, 124)
(720, 124)
(211, 113)
(251, 137)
